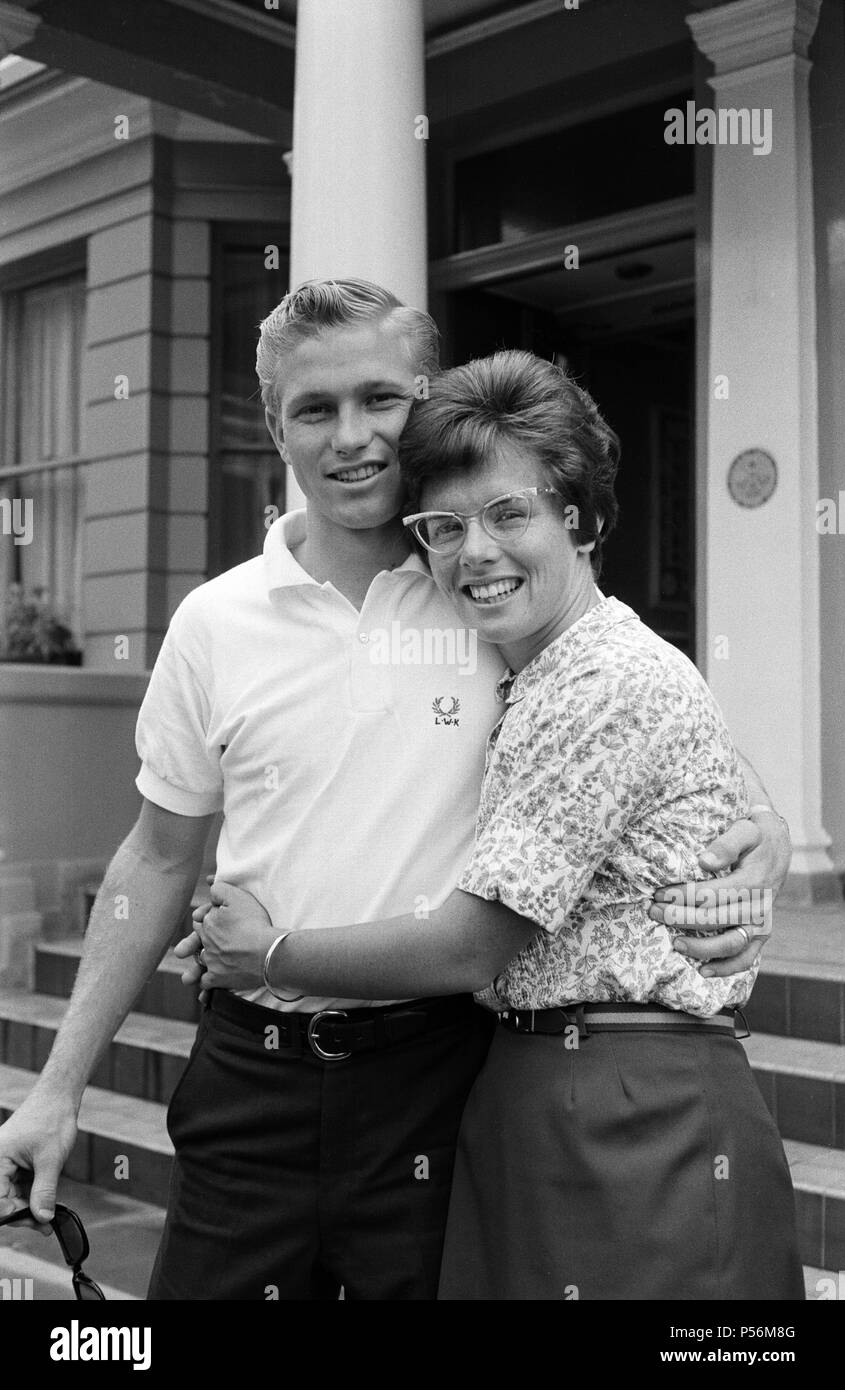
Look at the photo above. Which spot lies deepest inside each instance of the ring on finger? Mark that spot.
(198, 957)
(745, 934)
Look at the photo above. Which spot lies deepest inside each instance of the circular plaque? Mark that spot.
(752, 478)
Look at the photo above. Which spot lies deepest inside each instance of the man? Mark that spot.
(312, 1152)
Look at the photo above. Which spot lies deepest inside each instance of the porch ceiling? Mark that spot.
(232, 61)
(440, 15)
(194, 57)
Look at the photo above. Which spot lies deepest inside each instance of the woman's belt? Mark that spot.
(619, 1018)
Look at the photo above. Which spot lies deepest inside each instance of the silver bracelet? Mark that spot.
(285, 998)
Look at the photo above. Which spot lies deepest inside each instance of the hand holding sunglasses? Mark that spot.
(70, 1232)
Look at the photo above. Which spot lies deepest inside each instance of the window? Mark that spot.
(247, 474)
(43, 337)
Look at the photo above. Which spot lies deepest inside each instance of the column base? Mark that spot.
(815, 886)
(19, 932)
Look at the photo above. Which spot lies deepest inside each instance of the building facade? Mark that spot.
(557, 176)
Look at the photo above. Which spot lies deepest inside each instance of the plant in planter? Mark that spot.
(31, 631)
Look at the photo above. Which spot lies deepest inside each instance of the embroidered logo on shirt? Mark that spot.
(446, 708)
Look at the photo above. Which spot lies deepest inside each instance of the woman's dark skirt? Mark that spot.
(637, 1166)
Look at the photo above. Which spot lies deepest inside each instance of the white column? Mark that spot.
(358, 165)
(358, 168)
(762, 563)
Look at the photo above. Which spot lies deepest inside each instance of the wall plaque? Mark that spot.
(752, 478)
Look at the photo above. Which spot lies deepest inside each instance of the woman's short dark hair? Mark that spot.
(517, 398)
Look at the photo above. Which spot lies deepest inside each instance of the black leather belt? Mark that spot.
(618, 1018)
(333, 1035)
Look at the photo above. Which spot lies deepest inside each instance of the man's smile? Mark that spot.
(358, 473)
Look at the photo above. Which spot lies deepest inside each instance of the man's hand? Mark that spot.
(234, 933)
(35, 1140)
(758, 853)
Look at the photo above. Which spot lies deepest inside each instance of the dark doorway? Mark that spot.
(639, 367)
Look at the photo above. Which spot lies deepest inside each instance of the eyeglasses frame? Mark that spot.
(413, 521)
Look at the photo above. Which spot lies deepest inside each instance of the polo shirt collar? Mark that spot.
(282, 571)
(582, 634)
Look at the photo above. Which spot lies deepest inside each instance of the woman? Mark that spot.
(615, 1145)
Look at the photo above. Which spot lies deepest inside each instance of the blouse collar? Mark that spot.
(587, 629)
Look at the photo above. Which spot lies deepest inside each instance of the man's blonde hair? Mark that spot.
(319, 304)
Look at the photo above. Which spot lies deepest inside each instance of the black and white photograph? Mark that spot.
(422, 663)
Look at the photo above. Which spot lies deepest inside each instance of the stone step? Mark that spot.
(146, 1058)
(818, 1176)
(800, 991)
(123, 1235)
(123, 1144)
(803, 1084)
(164, 995)
(798, 1005)
(824, 1285)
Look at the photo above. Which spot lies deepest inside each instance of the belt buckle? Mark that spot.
(518, 1015)
(313, 1041)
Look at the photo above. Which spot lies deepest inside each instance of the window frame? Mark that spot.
(223, 235)
(64, 264)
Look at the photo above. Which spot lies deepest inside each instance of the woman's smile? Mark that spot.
(489, 592)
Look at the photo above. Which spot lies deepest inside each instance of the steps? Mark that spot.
(123, 1233)
(797, 1053)
(146, 1058)
(164, 995)
(803, 1084)
(123, 1144)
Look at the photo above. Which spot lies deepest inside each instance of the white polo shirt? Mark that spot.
(345, 749)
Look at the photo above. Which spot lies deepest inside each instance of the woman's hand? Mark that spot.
(234, 933)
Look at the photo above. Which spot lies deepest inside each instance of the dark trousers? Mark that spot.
(294, 1177)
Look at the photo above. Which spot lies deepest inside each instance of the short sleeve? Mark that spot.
(568, 787)
(179, 771)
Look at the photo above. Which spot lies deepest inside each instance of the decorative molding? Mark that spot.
(600, 237)
(17, 26)
(257, 22)
(480, 29)
(34, 684)
(84, 128)
(746, 33)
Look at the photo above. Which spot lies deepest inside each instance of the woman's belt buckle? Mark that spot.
(313, 1041)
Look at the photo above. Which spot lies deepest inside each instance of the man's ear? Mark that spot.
(274, 425)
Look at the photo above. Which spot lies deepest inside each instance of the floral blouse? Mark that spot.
(609, 772)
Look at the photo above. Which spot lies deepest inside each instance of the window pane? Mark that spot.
(249, 293)
(249, 475)
(44, 382)
(250, 483)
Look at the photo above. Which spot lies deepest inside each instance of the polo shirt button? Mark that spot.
(363, 637)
